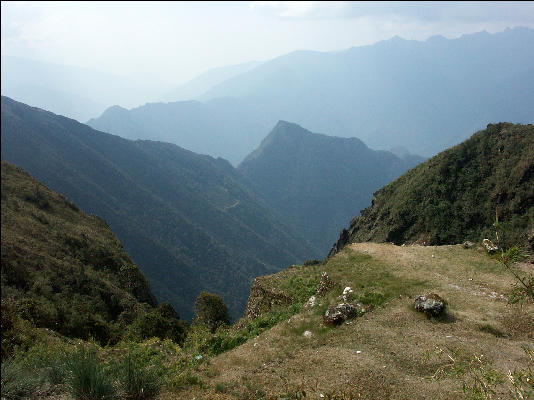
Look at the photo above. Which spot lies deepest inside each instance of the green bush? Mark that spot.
(17, 380)
(88, 379)
(162, 322)
(211, 310)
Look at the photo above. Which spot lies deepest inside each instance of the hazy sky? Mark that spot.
(175, 41)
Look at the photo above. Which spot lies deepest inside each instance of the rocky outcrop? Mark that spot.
(344, 239)
(262, 298)
(431, 304)
(338, 314)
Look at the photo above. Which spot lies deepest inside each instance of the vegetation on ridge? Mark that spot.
(452, 197)
(65, 271)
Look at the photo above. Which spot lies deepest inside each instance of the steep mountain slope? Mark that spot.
(316, 181)
(454, 195)
(185, 219)
(426, 96)
(62, 269)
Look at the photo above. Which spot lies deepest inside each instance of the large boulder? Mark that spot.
(336, 315)
(431, 304)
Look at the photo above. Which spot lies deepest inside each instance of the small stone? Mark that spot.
(490, 247)
(430, 304)
(358, 351)
(307, 334)
(311, 302)
(346, 292)
(467, 244)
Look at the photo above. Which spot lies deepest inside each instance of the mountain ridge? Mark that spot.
(169, 206)
(455, 195)
(315, 180)
(426, 96)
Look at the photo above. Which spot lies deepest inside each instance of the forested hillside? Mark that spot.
(66, 271)
(185, 219)
(318, 182)
(455, 195)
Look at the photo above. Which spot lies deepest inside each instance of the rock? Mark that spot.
(336, 315)
(346, 293)
(467, 244)
(307, 334)
(325, 284)
(490, 247)
(430, 304)
(311, 302)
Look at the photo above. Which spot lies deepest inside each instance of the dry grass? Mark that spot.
(392, 352)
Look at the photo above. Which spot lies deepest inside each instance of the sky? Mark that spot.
(173, 42)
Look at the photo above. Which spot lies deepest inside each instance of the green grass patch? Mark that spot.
(369, 278)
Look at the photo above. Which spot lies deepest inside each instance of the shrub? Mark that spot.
(88, 379)
(211, 310)
(162, 322)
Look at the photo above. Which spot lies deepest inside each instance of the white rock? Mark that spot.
(311, 302)
(490, 247)
(346, 292)
(307, 334)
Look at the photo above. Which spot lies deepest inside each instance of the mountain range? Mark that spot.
(187, 220)
(425, 96)
(75, 92)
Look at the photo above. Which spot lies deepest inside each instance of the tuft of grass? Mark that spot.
(370, 297)
(488, 328)
(138, 380)
(88, 379)
(17, 381)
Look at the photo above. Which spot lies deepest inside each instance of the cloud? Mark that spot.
(513, 12)
(300, 9)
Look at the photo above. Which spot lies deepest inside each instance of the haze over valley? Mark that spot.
(266, 200)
